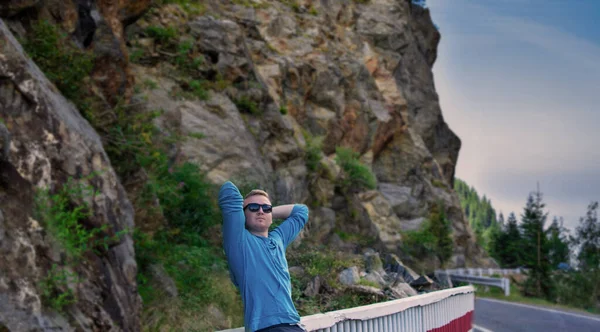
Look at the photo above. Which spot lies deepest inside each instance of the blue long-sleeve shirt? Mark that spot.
(257, 264)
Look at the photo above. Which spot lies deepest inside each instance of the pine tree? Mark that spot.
(479, 212)
(441, 229)
(558, 243)
(587, 240)
(510, 246)
(535, 248)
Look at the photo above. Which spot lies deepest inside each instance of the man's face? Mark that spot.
(257, 221)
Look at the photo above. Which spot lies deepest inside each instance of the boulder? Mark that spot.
(423, 282)
(349, 276)
(373, 262)
(163, 280)
(367, 290)
(312, 289)
(394, 264)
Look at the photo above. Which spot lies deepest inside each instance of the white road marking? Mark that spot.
(479, 328)
(540, 308)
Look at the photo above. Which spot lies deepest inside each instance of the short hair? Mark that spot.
(255, 192)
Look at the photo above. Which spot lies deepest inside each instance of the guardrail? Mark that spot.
(449, 277)
(448, 310)
(485, 271)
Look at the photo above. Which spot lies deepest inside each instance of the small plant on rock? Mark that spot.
(55, 288)
(356, 174)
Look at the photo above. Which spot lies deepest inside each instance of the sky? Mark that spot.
(519, 83)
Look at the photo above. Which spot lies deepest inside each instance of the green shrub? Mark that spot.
(245, 105)
(198, 270)
(433, 237)
(54, 288)
(283, 110)
(314, 148)
(198, 89)
(63, 212)
(136, 55)
(186, 59)
(356, 174)
(439, 184)
(63, 63)
(160, 34)
(197, 135)
(150, 84)
(185, 196)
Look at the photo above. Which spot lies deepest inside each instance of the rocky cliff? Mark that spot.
(269, 93)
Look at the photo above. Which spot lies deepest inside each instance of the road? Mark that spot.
(500, 316)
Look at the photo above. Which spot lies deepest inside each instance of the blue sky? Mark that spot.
(519, 83)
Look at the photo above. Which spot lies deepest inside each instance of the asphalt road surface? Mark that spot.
(500, 316)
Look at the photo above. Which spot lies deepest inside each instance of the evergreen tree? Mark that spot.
(535, 248)
(441, 229)
(507, 246)
(558, 243)
(479, 212)
(587, 240)
(501, 220)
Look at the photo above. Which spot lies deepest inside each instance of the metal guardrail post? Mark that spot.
(506, 286)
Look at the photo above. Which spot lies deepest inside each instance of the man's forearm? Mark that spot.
(282, 211)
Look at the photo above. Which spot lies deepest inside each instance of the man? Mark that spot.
(257, 258)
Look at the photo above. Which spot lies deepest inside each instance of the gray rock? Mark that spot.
(375, 277)
(367, 290)
(51, 142)
(164, 281)
(394, 264)
(321, 224)
(402, 290)
(297, 271)
(4, 141)
(313, 287)
(349, 276)
(373, 262)
(422, 282)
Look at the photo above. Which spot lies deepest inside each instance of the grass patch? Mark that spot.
(187, 59)
(356, 174)
(517, 297)
(197, 135)
(199, 271)
(63, 214)
(245, 105)
(192, 7)
(150, 84)
(160, 34)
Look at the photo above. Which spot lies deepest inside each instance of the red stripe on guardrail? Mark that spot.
(460, 324)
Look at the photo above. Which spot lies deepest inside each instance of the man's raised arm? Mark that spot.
(295, 215)
(231, 204)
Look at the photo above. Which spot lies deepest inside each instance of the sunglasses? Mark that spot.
(254, 207)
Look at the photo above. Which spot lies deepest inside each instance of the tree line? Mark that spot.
(561, 267)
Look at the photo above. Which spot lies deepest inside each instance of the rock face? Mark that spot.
(45, 141)
(265, 92)
(346, 74)
(95, 24)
